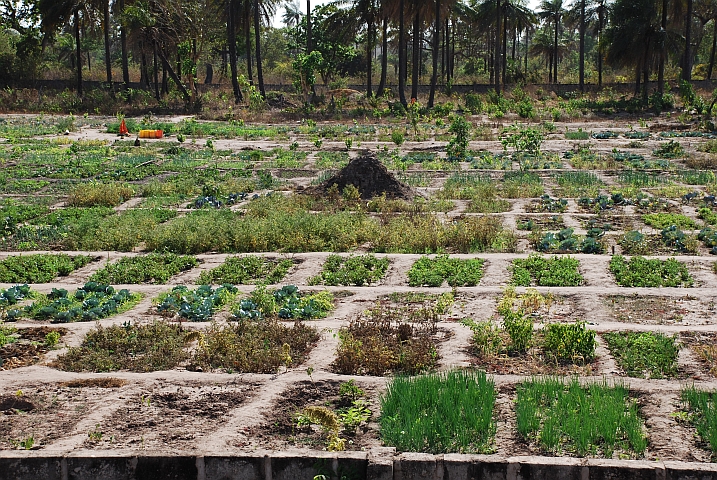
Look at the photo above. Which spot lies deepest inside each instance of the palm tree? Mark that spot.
(633, 37)
(56, 13)
(552, 11)
(292, 14)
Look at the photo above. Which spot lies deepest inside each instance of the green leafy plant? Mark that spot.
(546, 272)
(40, 268)
(458, 145)
(195, 305)
(150, 268)
(434, 271)
(642, 272)
(644, 354)
(569, 342)
(701, 408)
(352, 270)
(93, 301)
(247, 270)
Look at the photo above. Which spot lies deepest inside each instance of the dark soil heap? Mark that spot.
(370, 177)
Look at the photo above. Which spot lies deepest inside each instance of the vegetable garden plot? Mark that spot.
(41, 268)
(419, 414)
(150, 268)
(198, 305)
(250, 269)
(546, 271)
(351, 270)
(644, 354)
(659, 310)
(594, 420)
(643, 272)
(433, 272)
(20, 347)
(321, 415)
(161, 418)
(699, 409)
(540, 222)
(39, 415)
(704, 346)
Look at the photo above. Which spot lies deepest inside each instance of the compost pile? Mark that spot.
(370, 177)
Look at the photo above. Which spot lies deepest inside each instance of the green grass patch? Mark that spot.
(643, 272)
(546, 272)
(701, 409)
(247, 270)
(151, 268)
(594, 420)
(578, 184)
(450, 412)
(41, 268)
(432, 272)
(352, 270)
(521, 185)
(644, 354)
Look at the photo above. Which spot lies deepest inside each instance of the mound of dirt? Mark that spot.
(370, 177)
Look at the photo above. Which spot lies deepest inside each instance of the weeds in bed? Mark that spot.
(644, 354)
(457, 272)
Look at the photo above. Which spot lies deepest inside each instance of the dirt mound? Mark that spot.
(370, 177)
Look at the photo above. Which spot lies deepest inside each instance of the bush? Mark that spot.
(256, 347)
(570, 342)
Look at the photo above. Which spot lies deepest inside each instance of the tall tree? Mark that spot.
(257, 43)
(57, 13)
(232, 8)
(436, 36)
(552, 11)
(687, 56)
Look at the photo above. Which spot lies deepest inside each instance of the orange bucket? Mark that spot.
(151, 133)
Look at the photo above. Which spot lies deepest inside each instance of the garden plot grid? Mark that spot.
(182, 297)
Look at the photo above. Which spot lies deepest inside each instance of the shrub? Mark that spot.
(257, 347)
(570, 342)
(419, 414)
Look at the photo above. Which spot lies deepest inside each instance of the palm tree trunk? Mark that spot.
(504, 55)
(232, 43)
(76, 16)
(496, 55)
(308, 27)
(123, 42)
(714, 47)
(582, 45)
(175, 78)
(401, 54)
(415, 61)
(108, 61)
(663, 48)
(247, 39)
(369, 58)
(156, 72)
(436, 36)
(555, 50)
(257, 41)
(687, 59)
(384, 58)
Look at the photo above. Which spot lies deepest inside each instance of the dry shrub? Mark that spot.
(702, 161)
(99, 194)
(381, 341)
(105, 382)
(254, 346)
